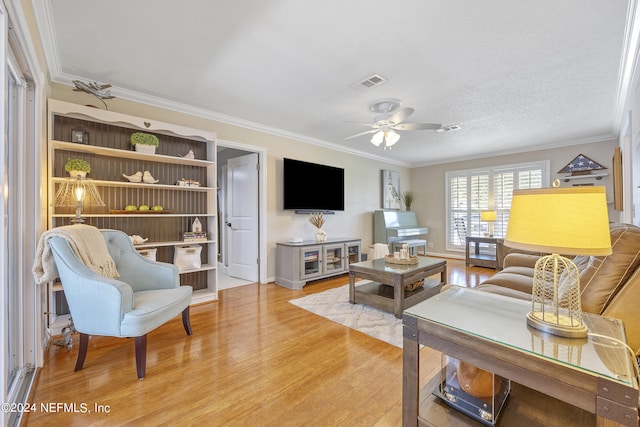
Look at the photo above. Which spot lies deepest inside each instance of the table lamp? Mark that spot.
(490, 217)
(568, 221)
(77, 192)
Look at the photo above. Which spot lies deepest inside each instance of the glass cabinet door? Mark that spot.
(333, 258)
(311, 259)
(353, 252)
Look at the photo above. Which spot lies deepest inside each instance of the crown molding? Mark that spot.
(629, 61)
(557, 144)
(44, 21)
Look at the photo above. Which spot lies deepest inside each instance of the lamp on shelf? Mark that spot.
(569, 221)
(77, 193)
(489, 216)
(389, 136)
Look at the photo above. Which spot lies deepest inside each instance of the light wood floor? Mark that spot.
(253, 360)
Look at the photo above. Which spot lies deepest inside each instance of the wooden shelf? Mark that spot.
(106, 215)
(171, 243)
(597, 176)
(118, 119)
(113, 152)
(205, 267)
(123, 184)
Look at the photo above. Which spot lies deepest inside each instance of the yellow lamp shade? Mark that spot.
(569, 221)
(488, 216)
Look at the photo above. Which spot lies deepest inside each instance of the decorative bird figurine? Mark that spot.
(137, 240)
(136, 177)
(148, 178)
(189, 155)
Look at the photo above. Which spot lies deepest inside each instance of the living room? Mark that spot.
(427, 180)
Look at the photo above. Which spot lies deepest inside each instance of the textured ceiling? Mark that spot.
(515, 76)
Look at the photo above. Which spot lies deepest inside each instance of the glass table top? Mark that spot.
(502, 319)
(381, 264)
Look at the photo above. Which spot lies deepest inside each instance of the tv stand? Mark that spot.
(298, 263)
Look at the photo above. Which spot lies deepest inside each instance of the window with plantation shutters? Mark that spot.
(469, 192)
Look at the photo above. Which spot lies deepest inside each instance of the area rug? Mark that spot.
(334, 305)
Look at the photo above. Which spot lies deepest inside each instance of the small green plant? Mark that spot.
(77, 165)
(407, 198)
(144, 139)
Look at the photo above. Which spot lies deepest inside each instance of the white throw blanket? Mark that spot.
(88, 245)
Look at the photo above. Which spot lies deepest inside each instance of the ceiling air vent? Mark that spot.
(369, 82)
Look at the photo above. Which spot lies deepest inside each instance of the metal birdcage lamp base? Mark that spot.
(555, 302)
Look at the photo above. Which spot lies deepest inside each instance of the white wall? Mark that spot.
(429, 183)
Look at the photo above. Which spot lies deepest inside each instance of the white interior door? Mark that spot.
(242, 219)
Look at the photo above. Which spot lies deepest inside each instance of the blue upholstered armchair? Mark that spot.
(146, 295)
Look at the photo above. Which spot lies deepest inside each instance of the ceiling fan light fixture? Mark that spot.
(391, 138)
(377, 138)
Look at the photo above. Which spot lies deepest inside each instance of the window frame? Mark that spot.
(474, 204)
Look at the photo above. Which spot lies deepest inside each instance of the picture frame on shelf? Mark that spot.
(80, 135)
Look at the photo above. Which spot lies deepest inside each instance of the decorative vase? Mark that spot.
(147, 149)
(320, 235)
(74, 174)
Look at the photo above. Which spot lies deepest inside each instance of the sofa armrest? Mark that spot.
(516, 259)
(502, 251)
(624, 306)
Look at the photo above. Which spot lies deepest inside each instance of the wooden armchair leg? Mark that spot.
(82, 351)
(186, 320)
(141, 356)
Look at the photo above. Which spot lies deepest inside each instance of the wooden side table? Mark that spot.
(595, 375)
(481, 259)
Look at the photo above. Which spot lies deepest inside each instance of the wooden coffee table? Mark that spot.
(387, 289)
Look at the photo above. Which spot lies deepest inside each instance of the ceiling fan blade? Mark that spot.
(401, 115)
(358, 123)
(417, 126)
(362, 133)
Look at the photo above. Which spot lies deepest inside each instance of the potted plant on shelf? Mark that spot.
(407, 198)
(145, 142)
(77, 167)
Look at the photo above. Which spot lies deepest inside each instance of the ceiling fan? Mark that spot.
(390, 120)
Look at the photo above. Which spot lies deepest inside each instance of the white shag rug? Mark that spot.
(334, 305)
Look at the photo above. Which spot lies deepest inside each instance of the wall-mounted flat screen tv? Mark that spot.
(312, 187)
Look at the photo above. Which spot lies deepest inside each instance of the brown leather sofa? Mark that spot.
(610, 284)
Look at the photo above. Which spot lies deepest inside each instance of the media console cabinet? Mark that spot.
(297, 263)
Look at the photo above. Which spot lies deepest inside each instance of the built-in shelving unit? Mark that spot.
(107, 148)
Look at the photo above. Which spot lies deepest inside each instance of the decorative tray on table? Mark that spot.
(406, 261)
